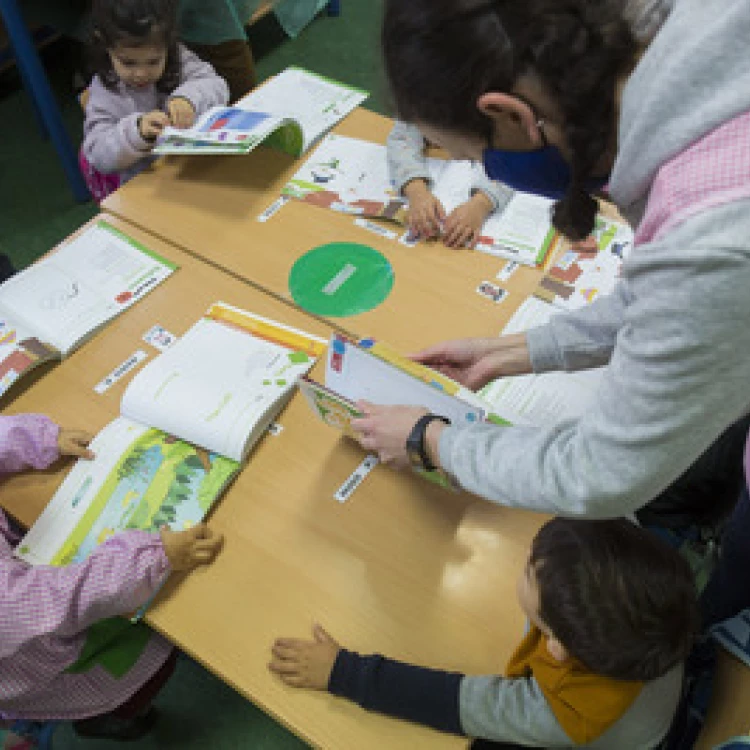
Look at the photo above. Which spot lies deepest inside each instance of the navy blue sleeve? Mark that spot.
(424, 696)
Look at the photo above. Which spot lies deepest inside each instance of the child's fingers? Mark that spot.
(284, 668)
(210, 544)
(206, 550)
(462, 236)
(321, 634)
(294, 680)
(287, 649)
(201, 531)
(452, 237)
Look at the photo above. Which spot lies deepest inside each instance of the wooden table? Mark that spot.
(209, 207)
(402, 568)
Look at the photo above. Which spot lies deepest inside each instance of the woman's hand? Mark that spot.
(181, 112)
(426, 212)
(384, 430)
(464, 222)
(305, 664)
(74, 443)
(476, 362)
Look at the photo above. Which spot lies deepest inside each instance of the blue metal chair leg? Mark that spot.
(334, 7)
(33, 74)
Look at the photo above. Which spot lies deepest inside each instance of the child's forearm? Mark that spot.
(27, 440)
(425, 696)
(114, 146)
(117, 578)
(404, 151)
(483, 202)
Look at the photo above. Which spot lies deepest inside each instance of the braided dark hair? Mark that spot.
(135, 23)
(442, 55)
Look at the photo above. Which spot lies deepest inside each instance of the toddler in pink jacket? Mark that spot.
(145, 80)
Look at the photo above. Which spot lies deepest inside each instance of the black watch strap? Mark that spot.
(415, 444)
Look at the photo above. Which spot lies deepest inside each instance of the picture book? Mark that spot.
(351, 176)
(374, 372)
(187, 422)
(291, 112)
(56, 304)
(588, 270)
(549, 397)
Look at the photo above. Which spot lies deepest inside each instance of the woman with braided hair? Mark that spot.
(556, 98)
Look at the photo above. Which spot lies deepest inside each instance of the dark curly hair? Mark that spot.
(619, 599)
(442, 55)
(134, 23)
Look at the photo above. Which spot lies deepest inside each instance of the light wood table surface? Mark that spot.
(208, 205)
(402, 568)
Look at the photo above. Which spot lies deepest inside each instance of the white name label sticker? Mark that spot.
(120, 371)
(356, 478)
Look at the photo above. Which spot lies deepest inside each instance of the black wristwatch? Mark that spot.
(415, 447)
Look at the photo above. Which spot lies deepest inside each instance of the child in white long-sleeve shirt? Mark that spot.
(145, 80)
(427, 217)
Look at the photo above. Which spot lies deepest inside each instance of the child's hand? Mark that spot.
(305, 664)
(426, 212)
(181, 112)
(188, 549)
(465, 221)
(74, 443)
(151, 124)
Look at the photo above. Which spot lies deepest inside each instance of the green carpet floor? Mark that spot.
(37, 211)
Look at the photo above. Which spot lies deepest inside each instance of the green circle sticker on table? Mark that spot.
(340, 279)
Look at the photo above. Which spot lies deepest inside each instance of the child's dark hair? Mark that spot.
(135, 23)
(442, 55)
(619, 599)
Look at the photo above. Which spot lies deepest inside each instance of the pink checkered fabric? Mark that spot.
(713, 171)
(45, 611)
(100, 185)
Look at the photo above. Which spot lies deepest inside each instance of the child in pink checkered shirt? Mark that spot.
(64, 652)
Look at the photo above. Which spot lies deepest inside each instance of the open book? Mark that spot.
(351, 176)
(290, 112)
(188, 420)
(549, 397)
(372, 371)
(53, 306)
(590, 269)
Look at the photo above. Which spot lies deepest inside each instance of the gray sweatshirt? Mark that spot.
(406, 162)
(516, 711)
(111, 140)
(675, 332)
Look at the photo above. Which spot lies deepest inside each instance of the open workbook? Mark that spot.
(290, 112)
(56, 304)
(351, 176)
(371, 371)
(588, 270)
(187, 422)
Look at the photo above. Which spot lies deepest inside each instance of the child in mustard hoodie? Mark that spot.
(612, 613)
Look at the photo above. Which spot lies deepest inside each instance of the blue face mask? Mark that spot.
(543, 171)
